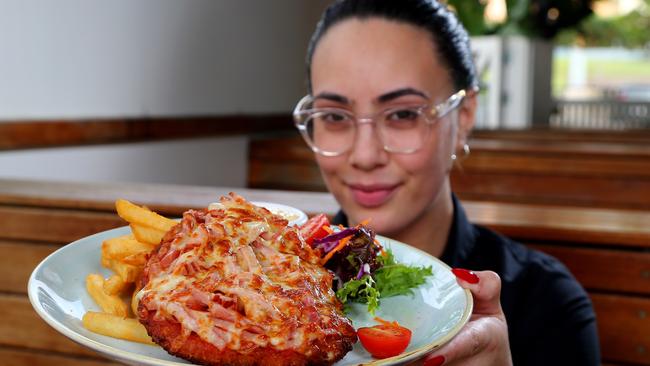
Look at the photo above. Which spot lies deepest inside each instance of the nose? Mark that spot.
(368, 151)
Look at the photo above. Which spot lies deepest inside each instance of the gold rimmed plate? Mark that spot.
(434, 313)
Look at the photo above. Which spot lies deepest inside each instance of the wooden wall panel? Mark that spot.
(49, 133)
(54, 226)
(22, 327)
(275, 175)
(19, 261)
(21, 357)
(610, 191)
(624, 328)
(605, 270)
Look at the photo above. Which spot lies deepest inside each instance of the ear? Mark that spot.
(466, 115)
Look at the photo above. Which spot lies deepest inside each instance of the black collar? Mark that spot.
(462, 237)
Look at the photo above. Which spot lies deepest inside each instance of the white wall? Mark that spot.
(94, 58)
(97, 58)
(208, 161)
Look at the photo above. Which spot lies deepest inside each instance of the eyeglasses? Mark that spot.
(332, 131)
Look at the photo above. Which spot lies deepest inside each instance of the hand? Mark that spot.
(484, 339)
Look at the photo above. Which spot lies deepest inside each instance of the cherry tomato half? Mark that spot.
(384, 341)
(313, 228)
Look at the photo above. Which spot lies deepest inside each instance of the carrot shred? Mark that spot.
(343, 241)
(328, 229)
(338, 247)
(381, 247)
(394, 323)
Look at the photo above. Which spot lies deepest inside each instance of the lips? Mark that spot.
(372, 195)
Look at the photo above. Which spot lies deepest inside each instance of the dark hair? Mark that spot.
(448, 33)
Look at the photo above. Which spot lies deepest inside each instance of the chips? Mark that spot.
(111, 304)
(145, 234)
(126, 256)
(116, 327)
(142, 216)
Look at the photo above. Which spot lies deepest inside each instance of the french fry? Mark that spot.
(134, 300)
(126, 256)
(115, 285)
(128, 272)
(143, 216)
(109, 303)
(116, 326)
(147, 234)
(138, 259)
(105, 260)
(125, 246)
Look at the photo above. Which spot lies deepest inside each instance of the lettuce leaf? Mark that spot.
(362, 290)
(391, 279)
(400, 279)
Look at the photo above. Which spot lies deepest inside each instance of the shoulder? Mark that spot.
(529, 275)
(545, 306)
(515, 260)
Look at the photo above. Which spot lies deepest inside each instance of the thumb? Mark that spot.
(485, 287)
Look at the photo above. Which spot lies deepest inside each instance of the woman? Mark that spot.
(392, 101)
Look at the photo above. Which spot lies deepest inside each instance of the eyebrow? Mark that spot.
(333, 97)
(400, 93)
(381, 99)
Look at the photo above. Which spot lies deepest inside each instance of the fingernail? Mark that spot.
(436, 361)
(465, 275)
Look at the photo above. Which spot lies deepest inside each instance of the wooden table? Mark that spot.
(607, 249)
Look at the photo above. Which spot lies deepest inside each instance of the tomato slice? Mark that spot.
(313, 228)
(383, 340)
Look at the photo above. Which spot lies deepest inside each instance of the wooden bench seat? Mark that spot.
(545, 167)
(549, 169)
(607, 250)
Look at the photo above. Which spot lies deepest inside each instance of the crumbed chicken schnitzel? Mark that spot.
(235, 285)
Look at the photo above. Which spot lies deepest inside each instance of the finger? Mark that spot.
(472, 340)
(485, 287)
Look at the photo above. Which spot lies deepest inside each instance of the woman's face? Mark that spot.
(366, 66)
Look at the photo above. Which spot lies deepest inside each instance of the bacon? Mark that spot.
(167, 260)
(236, 285)
(247, 260)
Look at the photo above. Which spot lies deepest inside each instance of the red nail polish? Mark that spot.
(465, 275)
(436, 361)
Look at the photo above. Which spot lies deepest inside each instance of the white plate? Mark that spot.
(435, 313)
(295, 216)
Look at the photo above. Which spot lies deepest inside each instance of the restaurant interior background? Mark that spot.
(78, 61)
(129, 96)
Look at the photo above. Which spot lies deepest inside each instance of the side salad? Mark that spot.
(363, 270)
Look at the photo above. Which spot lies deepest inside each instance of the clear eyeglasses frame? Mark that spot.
(332, 131)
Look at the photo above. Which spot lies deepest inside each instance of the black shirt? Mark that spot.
(550, 317)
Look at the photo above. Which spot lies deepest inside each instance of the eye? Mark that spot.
(402, 119)
(409, 114)
(332, 120)
(333, 117)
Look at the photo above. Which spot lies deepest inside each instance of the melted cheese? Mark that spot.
(231, 286)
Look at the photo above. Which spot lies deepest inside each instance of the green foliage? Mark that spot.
(470, 13)
(630, 30)
(532, 18)
(545, 18)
